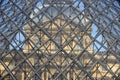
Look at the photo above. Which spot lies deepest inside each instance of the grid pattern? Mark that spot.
(59, 40)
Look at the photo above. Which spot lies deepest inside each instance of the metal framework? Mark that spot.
(59, 40)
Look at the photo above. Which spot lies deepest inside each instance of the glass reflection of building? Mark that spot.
(60, 33)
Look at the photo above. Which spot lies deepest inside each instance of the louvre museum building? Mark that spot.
(60, 40)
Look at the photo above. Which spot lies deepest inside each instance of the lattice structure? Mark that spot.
(59, 40)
